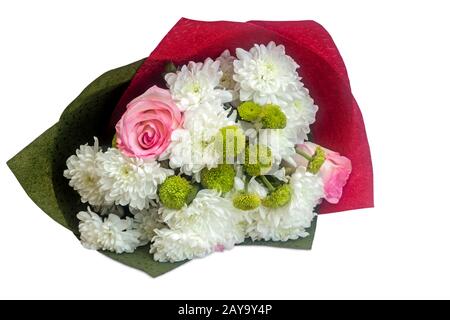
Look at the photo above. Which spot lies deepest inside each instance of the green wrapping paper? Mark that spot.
(39, 167)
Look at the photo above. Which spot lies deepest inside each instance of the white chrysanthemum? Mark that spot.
(300, 114)
(290, 221)
(226, 66)
(210, 223)
(196, 84)
(265, 74)
(146, 222)
(90, 228)
(130, 181)
(206, 122)
(83, 174)
(112, 234)
(178, 245)
(279, 143)
(191, 154)
(193, 148)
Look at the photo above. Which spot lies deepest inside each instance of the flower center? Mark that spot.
(267, 70)
(269, 66)
(196, 88)
(125, 170)
(298, 104)
(90, 180)
(109, 235)
(147, 137)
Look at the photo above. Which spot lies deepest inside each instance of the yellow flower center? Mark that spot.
(125, 170)
(196, 88)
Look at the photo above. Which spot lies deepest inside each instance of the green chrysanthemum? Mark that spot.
(175, 192)
(278, 198)
(231, 142)
(220, 178)
(258, 160)
(317, 161)
(246, 201)
(249, 111)
(272, 117)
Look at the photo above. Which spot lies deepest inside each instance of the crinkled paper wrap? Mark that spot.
(339, 125)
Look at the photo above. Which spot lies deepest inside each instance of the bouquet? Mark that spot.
(229, 133)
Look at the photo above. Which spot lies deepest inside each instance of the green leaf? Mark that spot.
(39, 167)
(142, 260)
(33, 169)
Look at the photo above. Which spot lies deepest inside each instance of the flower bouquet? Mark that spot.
(222, 136)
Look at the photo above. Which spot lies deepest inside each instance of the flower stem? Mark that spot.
(303, 154)
(267, 183)
(289, 171)
(246, 181)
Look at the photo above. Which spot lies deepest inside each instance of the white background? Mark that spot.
(397, 55)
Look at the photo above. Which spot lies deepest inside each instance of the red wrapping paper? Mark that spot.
(339, 124)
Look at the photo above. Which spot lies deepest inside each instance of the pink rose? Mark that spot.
(334, 172)
(145, 128)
